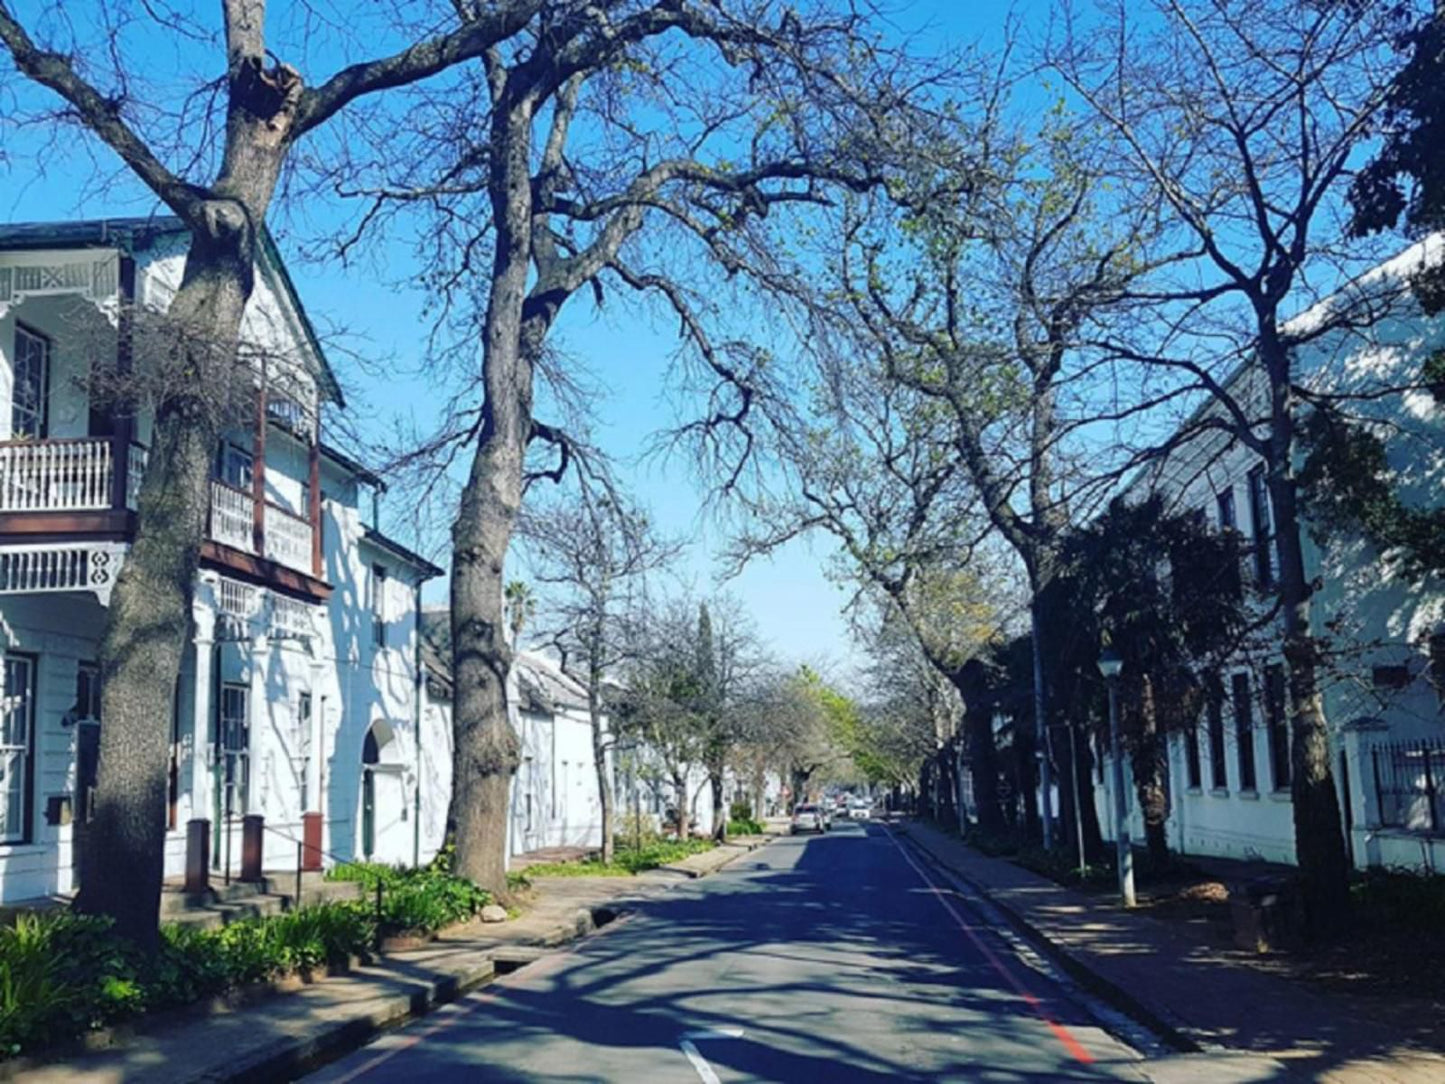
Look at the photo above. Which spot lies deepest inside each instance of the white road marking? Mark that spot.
(704, 1070)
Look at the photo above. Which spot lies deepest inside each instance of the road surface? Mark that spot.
(821, 958)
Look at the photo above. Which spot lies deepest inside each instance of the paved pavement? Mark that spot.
(832, 958)
(1274, 1027)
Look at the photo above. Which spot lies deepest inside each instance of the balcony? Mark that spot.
(66, 475)
(287, 538)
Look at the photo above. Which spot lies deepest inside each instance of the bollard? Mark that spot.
(300, 850)
(311, 835)
(198, 855)
(252, 827)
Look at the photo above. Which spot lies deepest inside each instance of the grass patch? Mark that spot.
(625, 861)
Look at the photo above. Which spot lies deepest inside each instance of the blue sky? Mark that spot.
(794, 605)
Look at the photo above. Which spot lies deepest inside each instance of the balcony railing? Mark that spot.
(287, 536)
(233, 517)
(288, 539)
(56, 475)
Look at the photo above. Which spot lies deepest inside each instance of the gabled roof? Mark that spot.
(134, 234)
(543, 685)
(396, 549)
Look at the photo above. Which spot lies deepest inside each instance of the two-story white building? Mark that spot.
(1384, 686)
(299, 698)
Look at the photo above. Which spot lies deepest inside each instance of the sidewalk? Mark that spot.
(1207, 996)
(279, 1036)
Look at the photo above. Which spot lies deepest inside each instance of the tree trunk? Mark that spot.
(719, 811)
(1149, 765)
(149, 619)
(1027, 777)
(487, 752)
(1319, 830)
(605, 800)
(982, 753)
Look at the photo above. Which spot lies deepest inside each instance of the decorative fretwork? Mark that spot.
(95, 280)
(292, 619)
(55, 476)
(93, 567)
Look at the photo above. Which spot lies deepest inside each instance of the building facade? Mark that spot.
(1384, 684)
(299, 698)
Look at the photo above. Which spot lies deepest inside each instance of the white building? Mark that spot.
(1385, 692)
(299, 696)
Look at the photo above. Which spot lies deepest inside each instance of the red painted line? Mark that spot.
(473, 1002)
(1072, 1045)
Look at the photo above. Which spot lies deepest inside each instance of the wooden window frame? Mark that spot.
(27, 811)
(1241, 696)
(43, 420)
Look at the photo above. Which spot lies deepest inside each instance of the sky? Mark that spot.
(797, 610)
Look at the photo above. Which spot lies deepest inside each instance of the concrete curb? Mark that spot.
(290, 1057)
(1169, 1029)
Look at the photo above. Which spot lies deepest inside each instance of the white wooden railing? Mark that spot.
(55, 476)
(288, 539)
(232, 517)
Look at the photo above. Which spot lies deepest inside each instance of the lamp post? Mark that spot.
(1109, 665)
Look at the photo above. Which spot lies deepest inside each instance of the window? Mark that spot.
(234, 466)
(1192, 766)
(1263, 536)
(17, 729)
(87, 693)
(235, 751)
(302, 747)
(1277, 719)
(378, 605)
(28, 396)
(1244, 731)
(1228, 519)
(1214, 700)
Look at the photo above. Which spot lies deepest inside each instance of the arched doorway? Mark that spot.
(384, 836)
(370, 758)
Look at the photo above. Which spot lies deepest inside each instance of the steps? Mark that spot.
(224, 903)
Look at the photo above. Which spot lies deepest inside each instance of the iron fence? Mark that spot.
(1408, 784)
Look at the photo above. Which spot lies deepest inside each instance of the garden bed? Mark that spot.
(67, 981)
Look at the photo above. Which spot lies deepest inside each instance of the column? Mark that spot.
(258, 470)
(203, 711)
(318, 557)
(123, 411)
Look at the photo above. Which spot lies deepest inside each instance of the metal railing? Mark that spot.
(1408, 785)
(56, 475)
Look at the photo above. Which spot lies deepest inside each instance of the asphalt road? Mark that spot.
(820, 958)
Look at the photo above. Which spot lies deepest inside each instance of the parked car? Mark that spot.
(860, 810)
(808, 818)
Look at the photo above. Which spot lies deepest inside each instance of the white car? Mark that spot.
(808, 818)
(860, 811)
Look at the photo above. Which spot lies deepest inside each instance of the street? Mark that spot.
(817, 958)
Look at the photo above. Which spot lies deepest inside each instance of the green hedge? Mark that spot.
(745, 826)
(62, 974)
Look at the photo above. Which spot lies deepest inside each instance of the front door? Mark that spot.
(370, 755)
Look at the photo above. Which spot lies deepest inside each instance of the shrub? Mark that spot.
(741, 811)
(1400, 900)
(415, 901)
(745, 826)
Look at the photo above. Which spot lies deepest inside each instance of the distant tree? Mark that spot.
(591, 557)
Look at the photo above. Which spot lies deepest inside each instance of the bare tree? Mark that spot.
(591, 558)
(1245, 119)
(656, 147)
(219, 176)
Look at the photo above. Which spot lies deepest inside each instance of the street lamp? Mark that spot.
(1109, 665)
